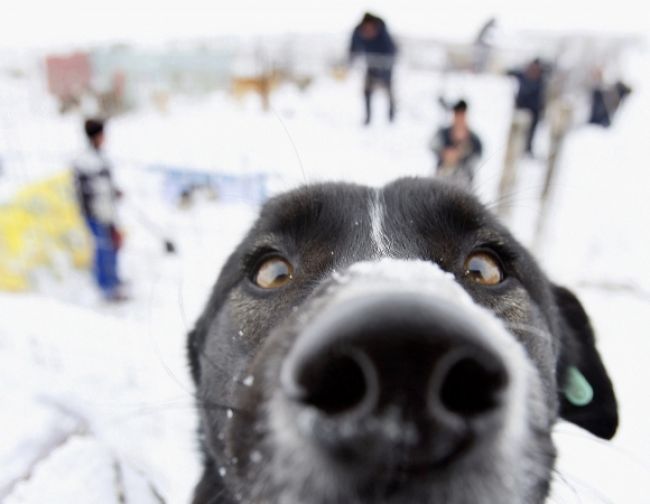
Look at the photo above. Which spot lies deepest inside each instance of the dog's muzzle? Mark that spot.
(399, 376)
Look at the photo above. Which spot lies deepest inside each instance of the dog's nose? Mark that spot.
(387, 373)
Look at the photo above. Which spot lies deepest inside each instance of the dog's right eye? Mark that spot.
(273, 272)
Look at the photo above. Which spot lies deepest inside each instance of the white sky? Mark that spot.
(38, 23)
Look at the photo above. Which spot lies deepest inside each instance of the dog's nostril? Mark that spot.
(341, 383)
(472, 386)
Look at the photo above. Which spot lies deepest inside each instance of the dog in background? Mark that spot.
(392, 345)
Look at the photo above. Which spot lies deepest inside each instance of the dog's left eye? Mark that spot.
(273, 273)
(483, 268)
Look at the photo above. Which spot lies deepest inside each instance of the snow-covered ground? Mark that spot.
(97, 402)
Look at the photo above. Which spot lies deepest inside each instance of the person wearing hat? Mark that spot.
(97, 196)
(371, 38)
(457, 148)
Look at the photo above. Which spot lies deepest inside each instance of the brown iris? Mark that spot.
(273, 273)
(483, 268)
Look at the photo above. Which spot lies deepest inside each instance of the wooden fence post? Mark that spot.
(559, 114)
(514, 150)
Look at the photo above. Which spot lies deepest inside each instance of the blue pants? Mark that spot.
(105, 262)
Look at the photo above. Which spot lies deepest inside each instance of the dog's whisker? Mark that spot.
(153, 410)
(594, 492)
(293, 144)
(559, 477)
(207, 358)
(229, 408)
(514, 199)
(512, 202)
(535, 331)
(629, 456)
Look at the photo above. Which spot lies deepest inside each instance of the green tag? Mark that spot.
(577, 389)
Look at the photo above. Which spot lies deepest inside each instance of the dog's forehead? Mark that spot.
(433, 203)
(406, 207)
(316, 206)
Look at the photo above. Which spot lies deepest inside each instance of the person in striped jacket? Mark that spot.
(97, 195)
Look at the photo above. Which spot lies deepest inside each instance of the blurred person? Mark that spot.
(457, 148)
(97, 196)
(531, 95)
(605, 100)
(483, 45)
(371, 37)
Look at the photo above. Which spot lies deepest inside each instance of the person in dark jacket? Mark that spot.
(457, 148)
(605, 101)
(97, 196)
(530, 95)
(371, 38)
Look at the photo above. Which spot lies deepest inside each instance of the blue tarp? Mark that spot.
(228, 187)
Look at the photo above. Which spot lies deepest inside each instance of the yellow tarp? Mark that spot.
(41, 228)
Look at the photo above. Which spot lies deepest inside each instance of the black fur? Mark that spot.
(245, 330)
(600, 417)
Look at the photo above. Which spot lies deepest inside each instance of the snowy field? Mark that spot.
(97, 401)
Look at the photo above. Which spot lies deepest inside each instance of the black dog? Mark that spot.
(388, 346)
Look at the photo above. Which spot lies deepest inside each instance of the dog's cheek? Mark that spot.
(527, 322)
(254, 317)
(541, 453)
(529, 327)
(224, 359)
(242, 359)
(272, 471)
